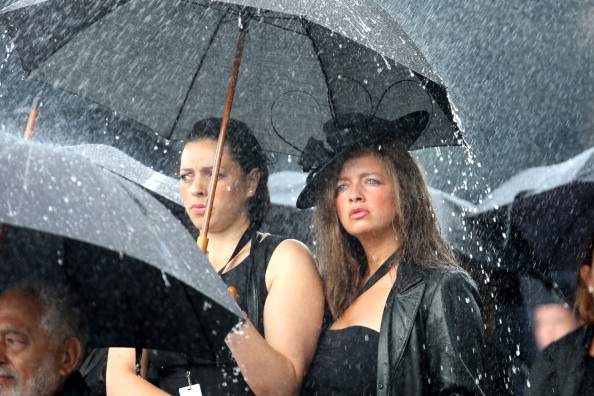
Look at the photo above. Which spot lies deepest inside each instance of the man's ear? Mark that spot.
(586, 275)
(253, 179)
(69, 354)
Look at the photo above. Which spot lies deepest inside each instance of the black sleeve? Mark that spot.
(455, 332)
(541, 380)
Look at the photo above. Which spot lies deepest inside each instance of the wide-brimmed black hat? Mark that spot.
(353, 129)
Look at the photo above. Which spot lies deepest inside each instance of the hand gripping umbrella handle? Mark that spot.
(32, 117)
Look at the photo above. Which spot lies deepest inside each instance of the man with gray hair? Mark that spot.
(42, 339)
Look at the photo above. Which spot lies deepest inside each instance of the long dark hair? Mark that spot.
(247, 152)
(341, 256)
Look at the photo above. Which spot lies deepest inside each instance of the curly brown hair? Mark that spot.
(584, 301)
(340, 256)
(247, 152)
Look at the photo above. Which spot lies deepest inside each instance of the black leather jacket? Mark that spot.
(431, 334)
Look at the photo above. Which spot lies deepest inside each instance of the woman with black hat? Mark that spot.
(406, 318)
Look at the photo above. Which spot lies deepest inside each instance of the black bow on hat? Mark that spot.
(349, 130)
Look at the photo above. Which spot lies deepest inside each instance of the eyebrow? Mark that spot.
(362, 175)
(203, 168)
(11, 331)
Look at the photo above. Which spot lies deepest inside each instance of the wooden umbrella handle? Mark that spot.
(233, 291)
(32, 117)
(223, 134)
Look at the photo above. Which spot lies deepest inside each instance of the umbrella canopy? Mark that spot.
(167, 64)
(138, 275)
(120, 163)
(543, 214)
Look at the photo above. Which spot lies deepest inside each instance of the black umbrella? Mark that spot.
(138, 275)
(167, 64)
(164, 64)
(540, 218)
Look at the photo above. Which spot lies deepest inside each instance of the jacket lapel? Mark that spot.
(397, 321)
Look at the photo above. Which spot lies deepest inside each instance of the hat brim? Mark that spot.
(407, 129)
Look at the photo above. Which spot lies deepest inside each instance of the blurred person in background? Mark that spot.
(566, 366)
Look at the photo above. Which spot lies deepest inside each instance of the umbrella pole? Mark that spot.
(203, 238)
(32, 117)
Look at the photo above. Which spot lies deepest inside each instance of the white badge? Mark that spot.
(192, 390)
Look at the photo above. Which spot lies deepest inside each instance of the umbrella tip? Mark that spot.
(36, 103)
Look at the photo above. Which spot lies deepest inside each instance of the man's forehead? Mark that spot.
(19, 311)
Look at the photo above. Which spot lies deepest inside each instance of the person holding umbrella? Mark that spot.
(565, 367)
(276, 280)
(407, 319)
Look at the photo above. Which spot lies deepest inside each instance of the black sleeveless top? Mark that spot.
(168, 370)
(345, 363)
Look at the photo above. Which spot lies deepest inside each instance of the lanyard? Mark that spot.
(381, 271)
(245, 238)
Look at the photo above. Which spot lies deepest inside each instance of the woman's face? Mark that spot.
(233, 187)
(364, 198)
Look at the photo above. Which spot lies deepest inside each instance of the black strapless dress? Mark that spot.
(345, 363)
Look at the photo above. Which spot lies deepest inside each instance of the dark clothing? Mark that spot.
(430, 342)
(587, 387)
(431, 334)
(93, 371)
(222, 376)
(75, 386)
(345, 363)
(561, 367)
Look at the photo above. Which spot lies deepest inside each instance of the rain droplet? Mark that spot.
(164, 275)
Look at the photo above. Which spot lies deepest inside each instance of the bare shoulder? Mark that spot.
(292, 248)
(291, 258)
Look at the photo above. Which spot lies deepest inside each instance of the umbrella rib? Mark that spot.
(195, 76)
(83, 28)
(317, 52)
(204, 330)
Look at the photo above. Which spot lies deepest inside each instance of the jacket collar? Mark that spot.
(408, 275)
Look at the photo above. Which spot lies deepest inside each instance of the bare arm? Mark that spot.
(293, 315)
(121, 379)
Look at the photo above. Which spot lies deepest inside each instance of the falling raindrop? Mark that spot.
(165, 279)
